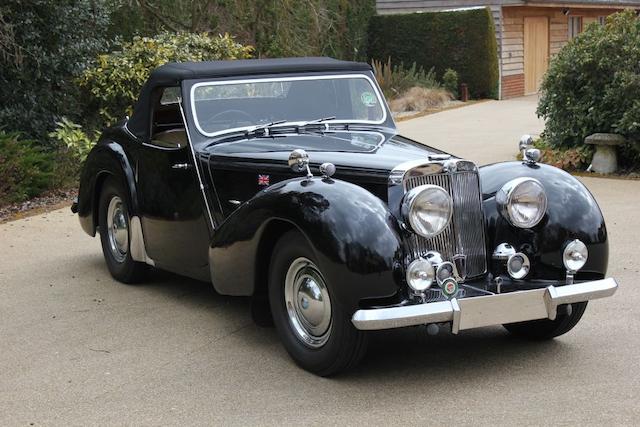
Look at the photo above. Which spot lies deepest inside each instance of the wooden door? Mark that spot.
(536, 52)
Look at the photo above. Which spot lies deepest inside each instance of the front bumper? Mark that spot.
(475, 312)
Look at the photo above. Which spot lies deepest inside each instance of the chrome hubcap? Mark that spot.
(117, 229)
(308, 304)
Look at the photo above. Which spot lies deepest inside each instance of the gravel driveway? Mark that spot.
(78, 348)
(486, 132)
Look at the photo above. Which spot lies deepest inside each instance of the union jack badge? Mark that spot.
(263, 179)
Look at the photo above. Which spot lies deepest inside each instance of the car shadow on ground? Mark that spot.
(445, 355)
(390, 353)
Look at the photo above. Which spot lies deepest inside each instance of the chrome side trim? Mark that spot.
(137, 246)
(475, 312)
(197, 167)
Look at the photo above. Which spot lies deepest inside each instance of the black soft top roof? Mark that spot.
(173, 73)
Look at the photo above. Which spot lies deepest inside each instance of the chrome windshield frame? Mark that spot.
(373, 84)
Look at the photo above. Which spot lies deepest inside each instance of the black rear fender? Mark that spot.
(106, 159)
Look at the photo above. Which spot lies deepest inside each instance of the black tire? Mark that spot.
(344, 346)
(125, 270)
(545, 329)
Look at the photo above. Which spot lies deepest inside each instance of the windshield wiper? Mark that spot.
(265, 127)
(324, 119)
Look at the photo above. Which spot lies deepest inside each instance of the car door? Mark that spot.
(174, 225)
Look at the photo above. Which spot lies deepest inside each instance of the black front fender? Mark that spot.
(354, 236)
(572, 213)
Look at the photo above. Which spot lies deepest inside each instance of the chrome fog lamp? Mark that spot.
(575, 256)
(427, 209)
(420, 275)
(518, 265)
(444, 271)
(522, 201)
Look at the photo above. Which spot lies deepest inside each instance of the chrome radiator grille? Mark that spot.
(465, 233)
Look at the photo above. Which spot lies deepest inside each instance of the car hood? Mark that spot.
(376, 152)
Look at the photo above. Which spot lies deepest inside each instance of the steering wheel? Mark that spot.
(237, 113)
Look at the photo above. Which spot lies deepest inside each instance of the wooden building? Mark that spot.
(529, 32)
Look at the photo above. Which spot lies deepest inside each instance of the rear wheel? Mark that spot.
(315, 330)
(568, 316)
(115, 235)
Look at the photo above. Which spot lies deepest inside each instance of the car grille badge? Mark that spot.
(460, 261)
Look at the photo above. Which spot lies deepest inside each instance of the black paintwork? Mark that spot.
(572, 213)
(356, 239)
(347, 220)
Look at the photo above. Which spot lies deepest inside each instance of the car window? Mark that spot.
(170, 95)
(167, 126)
(221, 106)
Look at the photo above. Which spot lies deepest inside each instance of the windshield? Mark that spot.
(222, 106)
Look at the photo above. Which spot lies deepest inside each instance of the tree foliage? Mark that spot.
(43, 47)
(276, 28)
(593, 85)
(114, 80)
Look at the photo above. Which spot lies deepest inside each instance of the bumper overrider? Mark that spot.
(486, 310)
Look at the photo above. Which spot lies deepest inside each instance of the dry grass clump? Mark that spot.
(420, 99)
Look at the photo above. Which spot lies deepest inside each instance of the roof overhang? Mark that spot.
(597, 4)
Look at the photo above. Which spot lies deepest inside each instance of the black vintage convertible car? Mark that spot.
(286, 180)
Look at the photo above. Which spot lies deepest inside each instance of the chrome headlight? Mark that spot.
(427, 209)
(522, 201)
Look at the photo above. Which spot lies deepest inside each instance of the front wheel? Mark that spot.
(568, 316)
(315, 330)
(115, 235)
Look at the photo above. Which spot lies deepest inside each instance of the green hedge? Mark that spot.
(462, 40)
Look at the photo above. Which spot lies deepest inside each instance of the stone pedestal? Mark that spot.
(605, 159)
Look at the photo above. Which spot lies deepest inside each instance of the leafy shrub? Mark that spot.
(461, 40)
(115, 79)
(78, 143)
(25, 169)
(450, 81)
(567, 158)
(593, 85)
(44, 45)
(420, 99)
(395, 80)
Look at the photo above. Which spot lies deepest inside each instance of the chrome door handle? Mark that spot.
(184, 166)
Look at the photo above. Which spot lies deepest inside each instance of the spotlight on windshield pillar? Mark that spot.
(299, 162)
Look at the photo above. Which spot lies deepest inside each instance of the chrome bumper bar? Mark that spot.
(475, 312)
